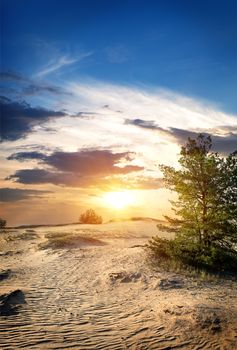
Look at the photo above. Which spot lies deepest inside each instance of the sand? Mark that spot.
(100, 293)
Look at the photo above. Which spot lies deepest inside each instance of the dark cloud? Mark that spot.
(86, 115)
(30, 87)
(17, 194)
(41, 176)
(146, 124)
(84, 168)
(91, 162)
(10, 75)
(22, 156)
(34, 89)
(223, 144)
(85, 162)
(226, 144)
(32, 147)
(18, 118)
(69, 179)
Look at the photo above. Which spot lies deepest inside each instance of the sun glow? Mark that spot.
(118, 200)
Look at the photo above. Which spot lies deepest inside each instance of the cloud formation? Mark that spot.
(10, 75)
(22, 156)
(34, 89)
(17, 194)
(70, 179)
(61, 62)
(146, 124)
(29, 87)
(83, 168)
(85, 162)
(19, 119)
(225, 143)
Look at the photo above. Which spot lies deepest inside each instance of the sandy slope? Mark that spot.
(106, 296)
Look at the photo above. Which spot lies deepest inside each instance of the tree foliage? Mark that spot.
(205, 220)
(90, 217)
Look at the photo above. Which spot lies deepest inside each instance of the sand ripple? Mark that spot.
(103, 298)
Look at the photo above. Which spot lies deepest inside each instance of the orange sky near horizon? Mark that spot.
(72, 163)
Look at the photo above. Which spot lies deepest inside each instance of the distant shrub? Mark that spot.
(3, 224)
(90, 217)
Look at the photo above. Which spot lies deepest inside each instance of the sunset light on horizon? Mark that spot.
(87, 112)
(119, 200)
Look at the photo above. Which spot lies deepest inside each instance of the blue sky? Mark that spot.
(187, 46)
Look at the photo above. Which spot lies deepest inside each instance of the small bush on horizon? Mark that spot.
(3, 224)
(90, 217)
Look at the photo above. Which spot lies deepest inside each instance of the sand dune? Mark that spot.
(105, 296)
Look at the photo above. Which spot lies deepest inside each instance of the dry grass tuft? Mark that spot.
(62, 240)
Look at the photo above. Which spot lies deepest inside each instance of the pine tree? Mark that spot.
(205, 218)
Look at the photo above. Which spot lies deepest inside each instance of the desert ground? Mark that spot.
(92, 287)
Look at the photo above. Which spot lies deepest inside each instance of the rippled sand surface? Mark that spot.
(105, 296)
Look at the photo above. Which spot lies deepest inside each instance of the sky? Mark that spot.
(96, 94)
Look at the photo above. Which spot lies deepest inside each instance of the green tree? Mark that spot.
(90, 217)
(205, 218)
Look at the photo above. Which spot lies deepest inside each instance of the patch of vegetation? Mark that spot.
(205, 222)
(90, 217)
(3, 224)
(15, 235)
(176, 255)
(62, 240)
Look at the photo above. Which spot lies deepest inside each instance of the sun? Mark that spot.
(118, 200)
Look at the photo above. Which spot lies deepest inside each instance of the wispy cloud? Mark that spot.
(167, 108)
(60, 63)
(24, 86)
(11, 75)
